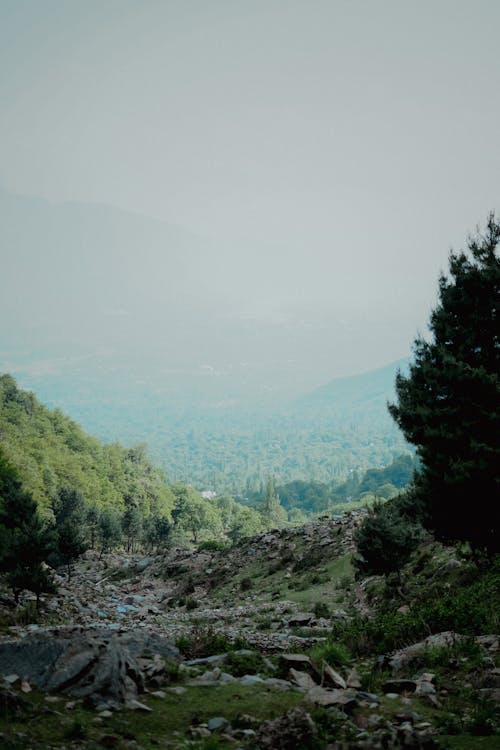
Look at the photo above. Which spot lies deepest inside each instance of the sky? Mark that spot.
(324, 156)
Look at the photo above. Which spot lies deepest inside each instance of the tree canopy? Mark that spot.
(449, 404)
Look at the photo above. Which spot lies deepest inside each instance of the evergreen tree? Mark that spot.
(449, 405)
(25, 540)
(70, 513)
(109, 531)
(386, 538)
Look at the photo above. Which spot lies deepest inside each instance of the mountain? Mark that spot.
(367, 391)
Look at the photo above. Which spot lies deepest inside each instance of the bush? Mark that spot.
(321, 610)
(335, 654)
(239, 664)
(246, 584)
(386, 539)
(468, 610)
(204, 641)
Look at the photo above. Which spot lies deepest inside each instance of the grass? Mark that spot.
(53, 727)
(466, 742)
(337, 574)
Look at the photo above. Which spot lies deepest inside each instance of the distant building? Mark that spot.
(208, 494)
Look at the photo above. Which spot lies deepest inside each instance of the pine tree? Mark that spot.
(449, 405)
(25, 540)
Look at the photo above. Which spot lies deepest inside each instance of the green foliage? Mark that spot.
(204, 640)
(335, 654)
(469, 609)
(109, 531)
(449, 405)
(212, 545)
(386, 539)
(239, 664)
(321, 609)
(26, 538)
(70, 514)
(51, 452)
(273, 513)
(193, 514)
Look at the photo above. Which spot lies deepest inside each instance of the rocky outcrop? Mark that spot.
(100, 665)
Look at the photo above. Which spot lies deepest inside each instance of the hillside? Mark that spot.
(266, 643)
(52, 452)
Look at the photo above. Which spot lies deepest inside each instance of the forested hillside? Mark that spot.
(232, 444)
(51, 451)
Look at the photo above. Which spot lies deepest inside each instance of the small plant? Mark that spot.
(239, 664)
(204, 641)
(191, 603)
(335, 654)
(264, 623)
(246, 584)
(321, 610)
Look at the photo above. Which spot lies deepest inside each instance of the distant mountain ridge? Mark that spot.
(353, 391)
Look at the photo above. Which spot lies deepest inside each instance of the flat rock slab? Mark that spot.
(343, 699)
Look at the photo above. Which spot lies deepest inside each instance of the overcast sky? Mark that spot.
(336, 149)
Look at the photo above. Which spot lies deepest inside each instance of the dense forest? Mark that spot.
(323, 436)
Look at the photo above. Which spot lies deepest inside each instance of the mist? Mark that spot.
(255, 195)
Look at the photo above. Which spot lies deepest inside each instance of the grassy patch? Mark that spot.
(53, 727)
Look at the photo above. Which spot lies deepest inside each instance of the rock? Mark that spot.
(331, 677)
(199, 731)
(295, 729)
(399, 686)
(250, 679)
(353, 680)
(11, 679)
(300, 662)
(143, 564)
(98, 664)
(275, 682)
(177, 690)
(136, 705)
(425, 688)
(341, 698)
(302, 679)
(217, 724)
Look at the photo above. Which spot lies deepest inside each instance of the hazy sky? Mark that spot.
(334, 149)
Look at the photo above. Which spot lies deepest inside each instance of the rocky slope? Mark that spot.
(234, 646)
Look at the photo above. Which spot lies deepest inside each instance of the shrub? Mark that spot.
(385, 539)
(239, 664)
(246, 584)
(321, 610)
(335, 654)
(204, 641)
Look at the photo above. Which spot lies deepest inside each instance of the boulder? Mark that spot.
(300, 662)
(343, 699)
